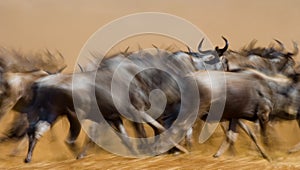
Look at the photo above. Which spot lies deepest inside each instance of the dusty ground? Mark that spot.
(65, 26)
(51, 152)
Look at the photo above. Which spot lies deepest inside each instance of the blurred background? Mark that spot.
(66, 25)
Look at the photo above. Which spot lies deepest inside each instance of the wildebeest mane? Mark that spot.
(268, 52)
(12, 60)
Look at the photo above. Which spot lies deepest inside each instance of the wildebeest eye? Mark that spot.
(208, 58)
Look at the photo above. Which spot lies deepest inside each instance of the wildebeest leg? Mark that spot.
(139, 130)
(34, 133)
(88, 142)
(263, 117)
(263, 131)
(224, 126)
(32, 143)
(74, 131)
(152, 121)
(75, 128)
(124, 135)
(155, 129)
(156, 133)
(141, 133)
(254, 139)
(231, 137)
(189, 138)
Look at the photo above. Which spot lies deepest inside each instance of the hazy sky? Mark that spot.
(66, 25)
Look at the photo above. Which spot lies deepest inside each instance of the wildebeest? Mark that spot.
(47, 105)
(18, 72)
(271, 61)
(43, 113)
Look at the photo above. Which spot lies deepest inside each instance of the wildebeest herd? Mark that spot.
(261, 84)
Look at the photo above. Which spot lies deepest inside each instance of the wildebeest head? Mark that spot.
(270, 60)
(208, 59)
(281, 60)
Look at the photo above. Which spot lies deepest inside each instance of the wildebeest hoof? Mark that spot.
(26, 160)
(176, 153)
(216, 155)
(80, 156)
(291, 151)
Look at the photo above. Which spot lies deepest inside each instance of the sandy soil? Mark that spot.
(65, 26)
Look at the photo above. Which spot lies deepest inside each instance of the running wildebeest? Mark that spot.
(270, 61)
(44, 113)
(41, 115)
(248, 96)
(18, 74)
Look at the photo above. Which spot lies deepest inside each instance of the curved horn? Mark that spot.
(81, 69)
(296, 50)
(61, 69)
(126, 50)
(157, 49)
(280, 44)
(222, 50)
(154, 46)
(189, 49)
(252, 44)
(200, 46)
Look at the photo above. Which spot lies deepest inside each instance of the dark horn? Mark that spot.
(222, 50)
(126, 50)
(190, 51)
(154, 46)
(200, 46)
(280, 44)
(60, 70)
(80, 67)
